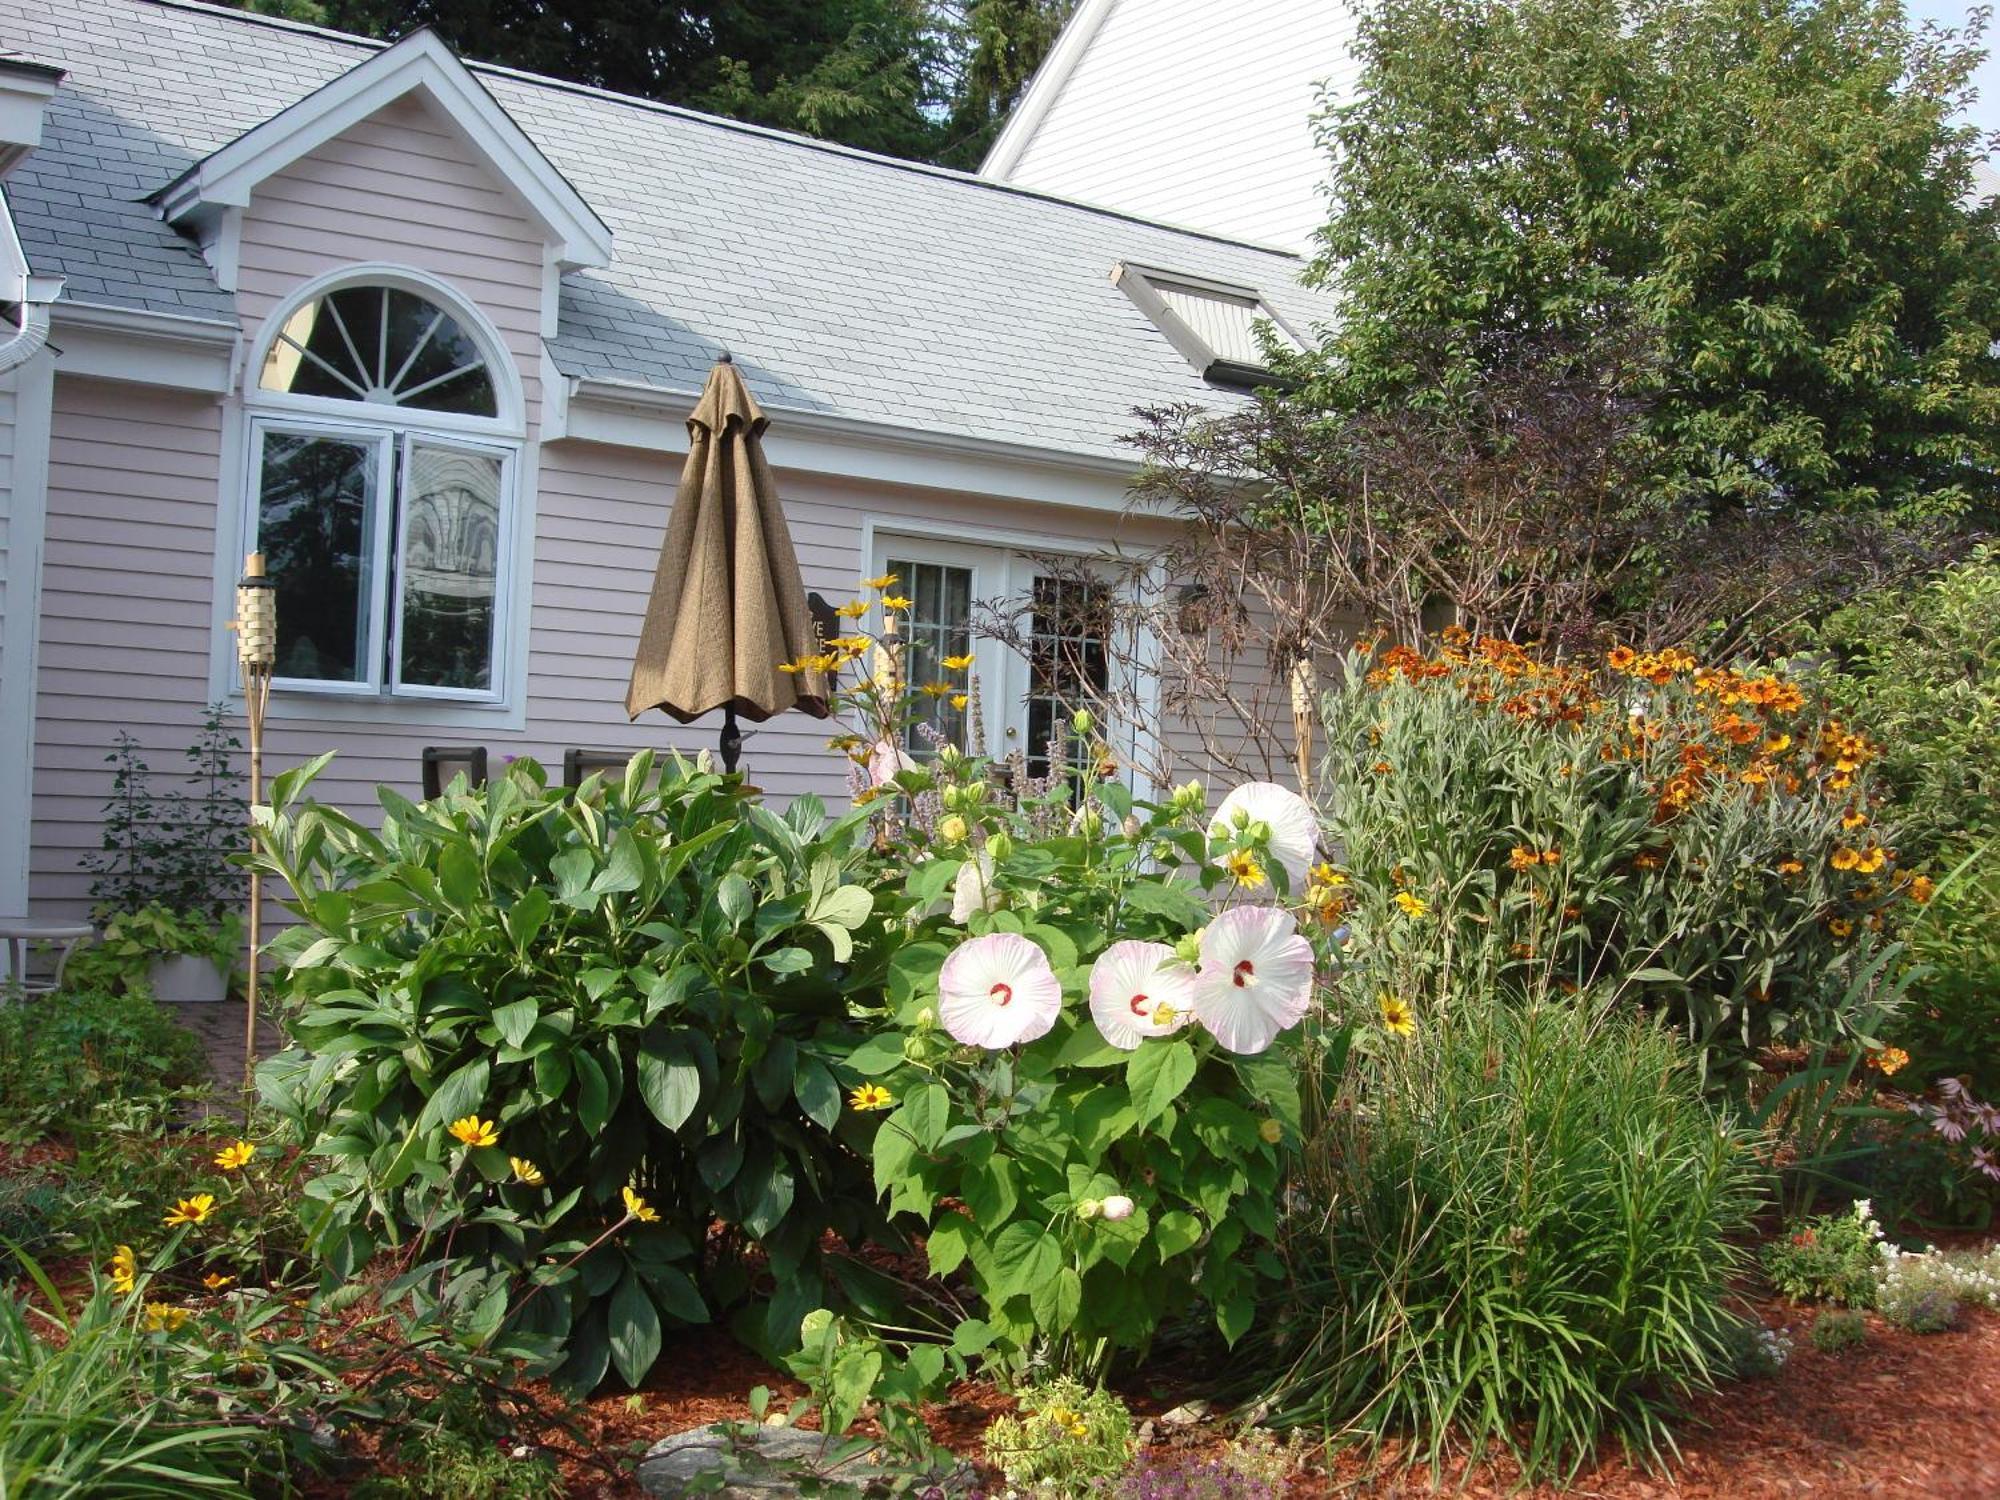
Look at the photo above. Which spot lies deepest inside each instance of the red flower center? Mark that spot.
(1002, 992)
(1138, 1005)
(1245, 972)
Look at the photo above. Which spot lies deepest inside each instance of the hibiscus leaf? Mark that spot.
(1024, 1256)
(1157, 1075)
(1055, 1300)
(1177, 1231)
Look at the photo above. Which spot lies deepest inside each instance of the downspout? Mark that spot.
(33, 333)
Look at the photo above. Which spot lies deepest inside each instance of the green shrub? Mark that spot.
(1951, 1026)
(1831, 1258)
(1750, 1351)
(1697, 839)
(1066, 1439)
(1521, 1220)
(638, 988)
(62, 1054)
(1919, 670)
(1922, 1293)
(1838, 1330)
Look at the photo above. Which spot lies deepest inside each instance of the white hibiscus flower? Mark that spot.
(1139, 990)
(997, 990)
(1255, 977)
(972, 889)
(1294, 828)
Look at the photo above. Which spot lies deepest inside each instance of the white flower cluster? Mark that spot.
(1775, 1346)
(1968, 1276)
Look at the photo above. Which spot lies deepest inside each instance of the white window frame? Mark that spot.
(384, 698)
(1004, 565)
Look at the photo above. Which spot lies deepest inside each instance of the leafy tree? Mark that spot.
(927, 79)
(1773, 191)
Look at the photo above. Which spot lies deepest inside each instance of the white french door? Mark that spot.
(1022, 695)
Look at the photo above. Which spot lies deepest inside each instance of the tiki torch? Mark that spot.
(256, 627)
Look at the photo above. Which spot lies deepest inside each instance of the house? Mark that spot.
(1187, 112)
(427, 332)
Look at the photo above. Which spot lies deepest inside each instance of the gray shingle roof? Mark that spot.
(842, 283)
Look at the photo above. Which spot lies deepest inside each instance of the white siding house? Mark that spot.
(436, 328)
(1195, 112)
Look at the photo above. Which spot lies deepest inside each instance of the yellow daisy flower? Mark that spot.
(886, 581)
(637, 1208)
(955, 663)
(234, 1157)
(1397, 1017)
(526, 1171)
(215, 1281)
(871, 1096)
(123, 1270)
(193, 1210)
(1412, 906)
(164, 1317)
(895, 601)
(853, 609)
(474, 1131)
(1242, 864)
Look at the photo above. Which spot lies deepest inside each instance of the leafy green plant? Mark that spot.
(133, 939)
(642, 985)
(1750, 1351)
(1831, 1258)
(1699, 839)
(1066, 1437)
(172, 850)
(134, 1398)
(1922, 1293)
(456, 1458)
(63, 1055)
(1518, 1223)
(1839, 1329)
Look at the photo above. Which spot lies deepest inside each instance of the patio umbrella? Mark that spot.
(728, 605)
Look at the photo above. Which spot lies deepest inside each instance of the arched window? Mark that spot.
(382, 418)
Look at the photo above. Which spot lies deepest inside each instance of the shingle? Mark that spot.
(842, 282)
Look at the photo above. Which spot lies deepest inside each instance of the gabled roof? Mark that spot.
(850, 286)
(419, 63)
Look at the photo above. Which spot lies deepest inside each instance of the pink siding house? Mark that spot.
(427, 333)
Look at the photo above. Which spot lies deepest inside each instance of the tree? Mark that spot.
(1772, 190)
(928, 79)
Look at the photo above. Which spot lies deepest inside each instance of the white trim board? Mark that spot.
(630, 415)
(420, 61)
(1044, 89)
(130, 343)
(34, 388)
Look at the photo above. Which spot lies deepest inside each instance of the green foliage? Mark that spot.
(641, 985)
(172, 850)
(1770, 193)
(1624, 830)
(1522, 1222)
(1923, 1293)
(1089, 1195)
(63, 1055)
(1919, 670)
(1952, 1025)
(929, 79)
(1838, 1330)
(1827, 1259)
(95, 1402)
(1066, 1438)
(454, 1457)
(1750, 1351)
(133, 939)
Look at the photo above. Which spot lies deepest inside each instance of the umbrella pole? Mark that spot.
(732, 741)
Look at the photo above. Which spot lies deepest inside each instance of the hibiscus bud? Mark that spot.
(953, 830)
(1189, 798)
(926, 1019)
(1240, 819)
(1117, 1207)
(1000, 846)
(1081, 721)
(1090, 823)
(975, 793)
(1188, 949)
(1271, 1132)
(951, 796)
(949, 755)
(1260, 832)
(1131, 827)
(1088, 1209)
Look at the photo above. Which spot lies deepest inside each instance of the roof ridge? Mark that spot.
(723, 122)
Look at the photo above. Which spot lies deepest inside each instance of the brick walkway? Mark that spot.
(220, 1027)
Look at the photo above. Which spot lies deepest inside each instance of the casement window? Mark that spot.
(1063, 619)
(383, 496)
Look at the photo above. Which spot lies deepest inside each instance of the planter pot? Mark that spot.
(184, 979)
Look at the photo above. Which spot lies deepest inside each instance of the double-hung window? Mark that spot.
(383, 498)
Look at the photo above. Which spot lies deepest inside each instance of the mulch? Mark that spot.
(1903, 1416)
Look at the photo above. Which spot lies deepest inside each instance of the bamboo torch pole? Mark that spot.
(256, 627)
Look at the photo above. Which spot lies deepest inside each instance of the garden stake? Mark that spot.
(256, 627)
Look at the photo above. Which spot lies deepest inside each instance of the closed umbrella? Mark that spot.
(728, 605)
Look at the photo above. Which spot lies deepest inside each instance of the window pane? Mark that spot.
(938, 624)
(450, 568)
(315, 515)
(383, 345)
(1066, 663)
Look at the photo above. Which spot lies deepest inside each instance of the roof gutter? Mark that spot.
(32, 336)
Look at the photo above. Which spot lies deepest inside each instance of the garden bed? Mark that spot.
(1903, 1415)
